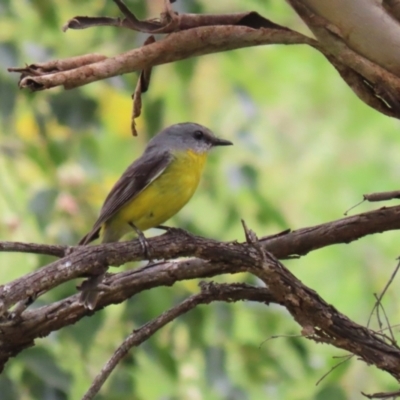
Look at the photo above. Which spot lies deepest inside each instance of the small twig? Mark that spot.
(346, 358)
(279, 337)
(378, 196)
(252, 239)
(388, 325)
(380, 297)
(382, 395)
(353, 207)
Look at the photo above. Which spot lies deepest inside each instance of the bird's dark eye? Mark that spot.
(198, 135)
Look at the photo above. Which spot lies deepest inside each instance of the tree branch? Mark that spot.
(209, 292)
(174, 47)
(320, 321)
(34, 248)
(385, 85)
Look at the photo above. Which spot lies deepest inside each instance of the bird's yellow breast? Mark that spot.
(163, 197)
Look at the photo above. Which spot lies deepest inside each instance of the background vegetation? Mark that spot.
(306, 149)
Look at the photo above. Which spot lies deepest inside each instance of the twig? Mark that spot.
(346, 358)
(344, 230)
(34, 248)
(388, 325)
(378, 196)
(382, 395)
(382, 196)
(380, 297)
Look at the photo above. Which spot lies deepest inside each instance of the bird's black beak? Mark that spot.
(221, 142)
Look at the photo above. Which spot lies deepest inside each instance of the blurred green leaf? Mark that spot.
(153, 110)
(84, 333)
(47, 12)
(121, 386)
(42, 204)
(331, 392)
(75, 110)
(185, 69)
(8, 389)
(40, 363)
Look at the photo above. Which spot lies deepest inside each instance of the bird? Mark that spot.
(153, 188)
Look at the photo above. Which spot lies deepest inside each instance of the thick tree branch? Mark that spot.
(195, 35)
(83, 261)
(365, 26)
(293, 243)
(385, 85)
(320, 321)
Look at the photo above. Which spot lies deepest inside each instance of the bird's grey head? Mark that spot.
(186, 136)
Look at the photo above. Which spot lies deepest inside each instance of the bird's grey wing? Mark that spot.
(132, 182)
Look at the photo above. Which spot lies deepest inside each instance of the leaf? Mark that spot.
(84, 332)
(8, 389)
(74, 109)
(41, 363)
(331, 392)
(42, 204)
(153, 115)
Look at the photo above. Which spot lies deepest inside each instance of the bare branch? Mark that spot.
(381, 395)
(33, 248)
(299, 242)
(382, 196)
(209, 292)
(320, 321)
(170, 21)
(174, 47)
(345, 230)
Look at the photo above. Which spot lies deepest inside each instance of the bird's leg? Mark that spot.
(142, 240)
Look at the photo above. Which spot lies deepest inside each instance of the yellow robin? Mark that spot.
(157, 185)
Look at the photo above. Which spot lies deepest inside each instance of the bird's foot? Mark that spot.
(143, 242)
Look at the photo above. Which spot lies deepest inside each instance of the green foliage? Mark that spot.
(306, 149)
